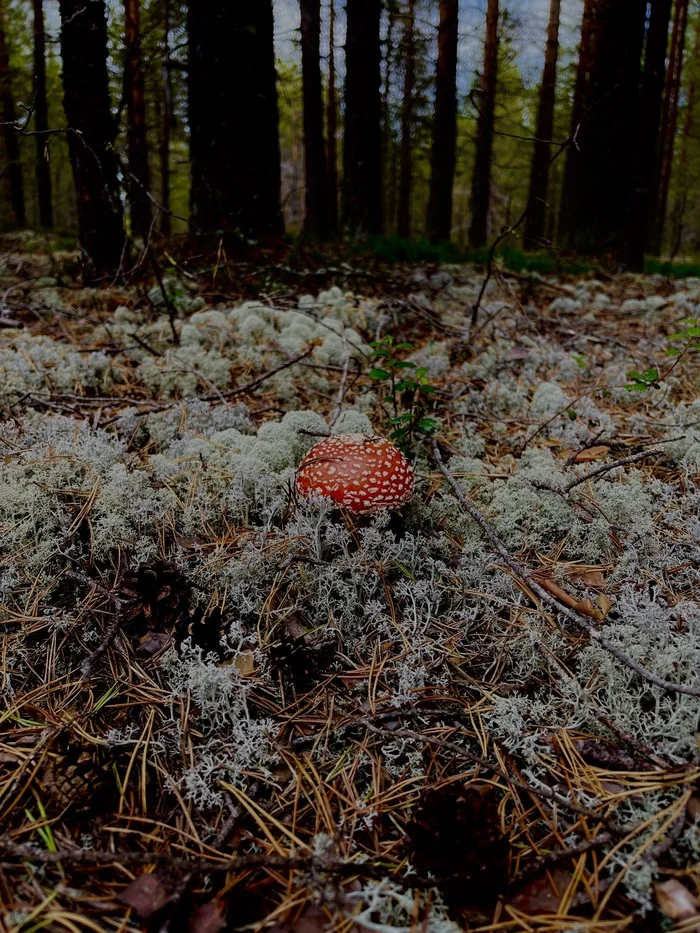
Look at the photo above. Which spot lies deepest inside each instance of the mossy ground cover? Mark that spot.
(223, 706)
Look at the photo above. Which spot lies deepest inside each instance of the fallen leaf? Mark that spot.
(584, 606)
(146, 895)
(591, 454)
(152, 643)
(694, 807)
(517, 353)
(603, 755)
(206, 919)
(455, 834)
(245, 663)
(311, 920)
(591, 578)
(605, 604)
(543, 894)
(675, 900)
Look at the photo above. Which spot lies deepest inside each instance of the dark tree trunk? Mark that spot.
(669, 122)
(406, 169)
(41, 120)
(536, 220)
(608, 134)
(362, 156)
(166, 130)
(582, 100)
(234, 131)
(649, 124)
(332, 128)
(139, 176)
(8, 109)
(389, 137)
(681, 202)
(316, 220)
(481, 181)
(91, 137)
(444, 154)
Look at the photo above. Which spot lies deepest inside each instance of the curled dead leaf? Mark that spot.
(675, 900)
(592, 454)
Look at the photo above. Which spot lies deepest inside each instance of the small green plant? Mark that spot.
(409, 390)
(640, 382)
(651, 379)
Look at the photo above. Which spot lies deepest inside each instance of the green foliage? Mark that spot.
(410, 391)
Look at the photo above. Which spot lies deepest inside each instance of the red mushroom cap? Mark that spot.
(363, 474)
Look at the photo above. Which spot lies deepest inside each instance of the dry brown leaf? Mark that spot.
(592, 578)
(605, 604)
(675, 900)
(593, 453)
(543, 894)
(146, 895)
(206, 919)
(245, 663)
(694, 807)
(584, 606)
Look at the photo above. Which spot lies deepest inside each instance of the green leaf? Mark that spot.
(672, 352)
(428, 425)
(379, 353)
(403, 346)
(379, 374)
(571, 414)
(406, 385)
(403, 364)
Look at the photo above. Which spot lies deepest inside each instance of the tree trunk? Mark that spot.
(362, 156)
(41, 120)
(481, 181)
(332, 128)
(166, 130)
(139, 176)
(316, 220)
(669, 122)
(681, 203)
(91, 137)
(536, 220)
(444, 154)
(406, 169)
(15, 176)
(234, 121)
(608, 135)
(649, 124)
(582, 99)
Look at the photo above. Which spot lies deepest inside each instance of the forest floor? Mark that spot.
(223, 707)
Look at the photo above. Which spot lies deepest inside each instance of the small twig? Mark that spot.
(527, 577)
(598, 471)
(546, 793)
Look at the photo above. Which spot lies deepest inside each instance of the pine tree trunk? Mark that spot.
(681, 202)
(444, 154)
(332, 129)
(669, 122)
(91, 137)
(406, 169)
(388, 136)
(166, 129)
(481, 181)
(139, 176)
(566, 231)
(536, 220)
(234, 131)
(41, 120)
(362, 155)
(649, 124)
(15, 176)
(608, 136)
(316, 220)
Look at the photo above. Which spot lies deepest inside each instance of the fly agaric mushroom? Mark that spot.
(363, 474)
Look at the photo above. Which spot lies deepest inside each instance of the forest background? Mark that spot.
(461, 93)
